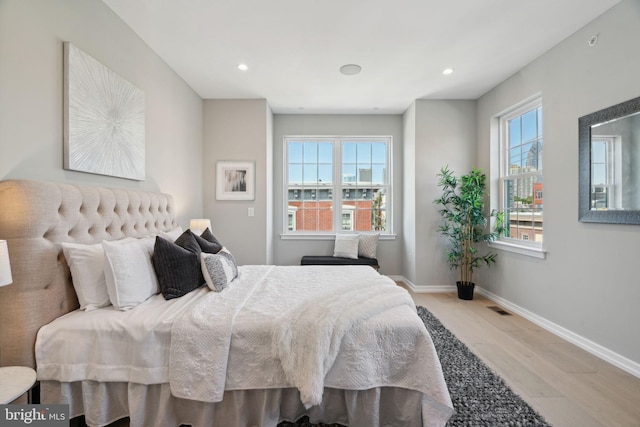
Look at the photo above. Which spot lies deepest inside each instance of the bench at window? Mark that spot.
(331, 260)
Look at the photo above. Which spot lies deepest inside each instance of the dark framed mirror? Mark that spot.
(609, 164)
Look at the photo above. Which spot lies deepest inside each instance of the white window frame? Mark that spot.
(531, 247)
(337, 184)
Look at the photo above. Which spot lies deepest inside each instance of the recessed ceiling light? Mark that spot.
(243, 67)
(447, 71)
(350, 69)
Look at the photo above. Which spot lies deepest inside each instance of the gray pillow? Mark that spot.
(368, 245)
(218, 269)
(209, 237)
(187, 240)
(206, 245)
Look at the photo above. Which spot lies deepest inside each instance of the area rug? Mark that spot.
(480, 397)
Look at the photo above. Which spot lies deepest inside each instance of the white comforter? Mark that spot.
(240, 338)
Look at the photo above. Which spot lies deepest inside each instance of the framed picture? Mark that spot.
(235, 180)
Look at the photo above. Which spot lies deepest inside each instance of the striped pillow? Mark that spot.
(218, 269)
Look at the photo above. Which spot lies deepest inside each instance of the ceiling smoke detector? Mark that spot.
(350, 69)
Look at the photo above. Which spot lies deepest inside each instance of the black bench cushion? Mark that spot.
(331, 260)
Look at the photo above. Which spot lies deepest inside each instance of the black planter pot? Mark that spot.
(465, 291)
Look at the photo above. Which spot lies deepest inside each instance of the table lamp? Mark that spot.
(197, 226)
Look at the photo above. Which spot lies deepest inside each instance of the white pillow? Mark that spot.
(368, 245)
(86, 263)
(218, 269)
(171, 235)
(129, 272)
(346, 246)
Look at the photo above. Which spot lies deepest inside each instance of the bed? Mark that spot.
(337, 344)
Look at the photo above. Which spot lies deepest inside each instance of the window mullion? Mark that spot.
(337, 185)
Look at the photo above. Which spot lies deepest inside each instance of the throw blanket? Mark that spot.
(200, 341)
(307, 337)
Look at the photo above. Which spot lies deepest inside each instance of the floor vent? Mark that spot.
(499, 310)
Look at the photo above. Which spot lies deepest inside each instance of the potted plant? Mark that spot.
(465, 223)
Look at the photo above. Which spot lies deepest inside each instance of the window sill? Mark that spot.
(522, 249)
(326, 236)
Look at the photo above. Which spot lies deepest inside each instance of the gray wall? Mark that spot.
(588, 283)
(288, 252)
(628, 129)
(239, 130)
(31, 101)
(440, 133)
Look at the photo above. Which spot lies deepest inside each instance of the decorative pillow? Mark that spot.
(128, 272)
(172, 235)
(225, 253)
(346, 246)
(218, 269)
(86, 263)
(209, 237)
(177, 268)
(188, 241)
(208, 246)
(368, 245)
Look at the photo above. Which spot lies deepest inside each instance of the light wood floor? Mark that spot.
(564, 383)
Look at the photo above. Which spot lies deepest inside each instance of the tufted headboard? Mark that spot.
(35, 217)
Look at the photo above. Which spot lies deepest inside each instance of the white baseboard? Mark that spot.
(423, 289)
(597, 350)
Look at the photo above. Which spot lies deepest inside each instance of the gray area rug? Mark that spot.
(480, 397)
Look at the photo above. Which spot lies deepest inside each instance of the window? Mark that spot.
(521, 178)
(291, 219)
(337, 184)
(606, 173)
(347, 220)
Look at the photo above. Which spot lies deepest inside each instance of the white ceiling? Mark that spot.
(294, 48)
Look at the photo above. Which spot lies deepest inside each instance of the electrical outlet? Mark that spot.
(250, 212)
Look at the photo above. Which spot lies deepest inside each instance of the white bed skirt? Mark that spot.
(154, 405)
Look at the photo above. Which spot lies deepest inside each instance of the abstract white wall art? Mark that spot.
(104, 119)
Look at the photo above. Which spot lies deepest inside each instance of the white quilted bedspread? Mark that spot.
(355, 330)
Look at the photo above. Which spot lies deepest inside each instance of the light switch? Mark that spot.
(250, 212)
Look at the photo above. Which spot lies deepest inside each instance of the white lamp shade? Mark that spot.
(5, 267)
(197, 226)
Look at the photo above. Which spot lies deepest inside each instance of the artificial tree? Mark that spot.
(465, 223)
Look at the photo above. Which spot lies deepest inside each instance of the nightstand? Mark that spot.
(15, 381)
